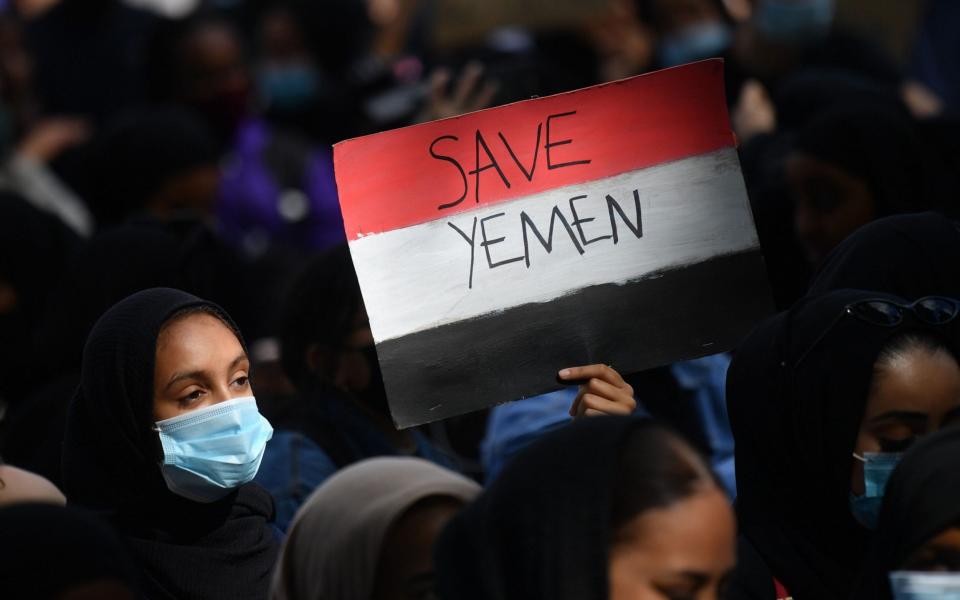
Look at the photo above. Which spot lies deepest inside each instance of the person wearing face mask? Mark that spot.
(777, 37)
(340, 414)
(916, 552)
(688, 30)
(612, 508)
(823, 398)
(163, 439)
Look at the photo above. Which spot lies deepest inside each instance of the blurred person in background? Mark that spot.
(368, 532)
(54, 553)
(31, 141)
(916, 550)
(852, 165)
(340, 414)
(608, 508)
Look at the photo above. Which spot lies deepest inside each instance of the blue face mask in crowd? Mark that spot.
(794, 21)
(908, 585)
(695, 42)
(213, 450)
(877, 468)
(288, 87)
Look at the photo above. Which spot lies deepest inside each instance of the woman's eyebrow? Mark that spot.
(900, 415)
(242, 357)
(178, 377)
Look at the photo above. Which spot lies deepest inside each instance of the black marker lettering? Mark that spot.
(612, 204)
(470, 240)
(487, 243)
(456, 164)
(536, 151)
(491, 165)
(550, 144)
(577, 222)
(526, 221)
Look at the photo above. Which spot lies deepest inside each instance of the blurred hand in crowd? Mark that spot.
(624, 44)
(468, 94)
(603, 391)
(48, 138)
(754, 113)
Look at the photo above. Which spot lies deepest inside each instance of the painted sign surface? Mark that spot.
(610, 224)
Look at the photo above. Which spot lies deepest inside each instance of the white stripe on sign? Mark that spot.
(456, 268)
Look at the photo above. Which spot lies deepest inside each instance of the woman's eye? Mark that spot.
(677, 594)
(242, 381)
(191, 397)
(896, 446)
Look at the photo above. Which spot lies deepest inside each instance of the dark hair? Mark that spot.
(905, 343)
(656, 469)
(319, 309)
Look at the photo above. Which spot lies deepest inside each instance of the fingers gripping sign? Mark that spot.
(602, 391)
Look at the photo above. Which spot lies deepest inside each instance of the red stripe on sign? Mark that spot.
(425, 172)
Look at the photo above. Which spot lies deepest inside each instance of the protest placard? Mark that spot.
(610, 225)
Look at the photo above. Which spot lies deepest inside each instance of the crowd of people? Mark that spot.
(191, 404)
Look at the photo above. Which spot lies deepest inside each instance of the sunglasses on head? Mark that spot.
(931, 310)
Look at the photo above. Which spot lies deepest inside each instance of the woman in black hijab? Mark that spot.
(612, 507)
(920, 521)
(821, 399)
(911, 256)
(854, 164)
(165, 376)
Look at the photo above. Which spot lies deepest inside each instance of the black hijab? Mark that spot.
(110, 465)
(912, 256)
(882, 147)
(921, 500)
(796, 401)
(542, 530)
(47, 550)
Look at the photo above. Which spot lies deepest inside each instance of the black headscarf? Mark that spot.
(909, 255)
(882, 147)
(49, 549)
(921, 500)
(542, 529)
(795, 425)
(111, 466)
(34, 251)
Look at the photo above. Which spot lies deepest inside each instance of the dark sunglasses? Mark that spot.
(932, 310)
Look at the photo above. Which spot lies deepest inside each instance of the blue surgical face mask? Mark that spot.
(213, 450)
(877, 468)
(908, 585)
(288, 87)
(794, 21)
(695, 42)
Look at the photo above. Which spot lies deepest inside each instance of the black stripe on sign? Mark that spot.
(672, 315)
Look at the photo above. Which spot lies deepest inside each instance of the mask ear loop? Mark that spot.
(860, 458)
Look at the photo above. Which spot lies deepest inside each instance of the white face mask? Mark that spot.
(213, 450)
(910, 585)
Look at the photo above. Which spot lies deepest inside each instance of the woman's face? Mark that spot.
(683, 552)
(939, 554)
(199, 362)
(916, 393)
(405, 570)
(830, 204)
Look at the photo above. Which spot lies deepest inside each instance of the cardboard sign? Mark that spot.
(607, 225)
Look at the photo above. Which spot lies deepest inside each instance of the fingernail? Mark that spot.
(564, 373)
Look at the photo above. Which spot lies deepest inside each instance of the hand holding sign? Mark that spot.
(604, 392)
(609, 224)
